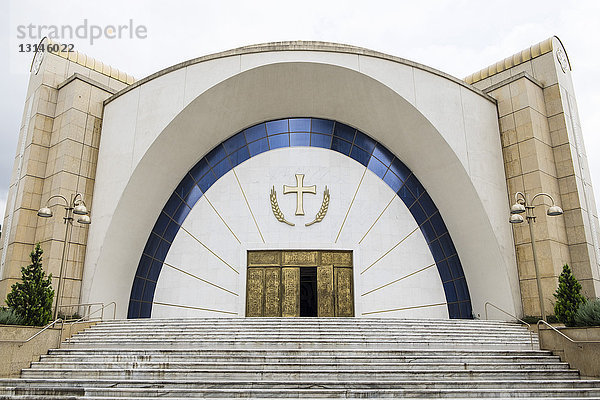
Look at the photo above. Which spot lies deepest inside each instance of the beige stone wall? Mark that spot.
(57, 154)
(17, 353)
(582, 355)
(543, 152)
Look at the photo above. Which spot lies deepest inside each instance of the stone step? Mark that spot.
(309, 328)
(303, 374)
(308, 320)
(282, 337)
(292, 330)
(293, 383)
(303, 321)
(366, 327)
(313, 393)
(277, 335)
(162, 358)
(300, 343)
(363, 352)
(305, 364)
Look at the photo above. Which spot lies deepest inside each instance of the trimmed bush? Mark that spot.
(588, 313)
(568, 297)
(532, 319)
(31, 299)
(9, 317)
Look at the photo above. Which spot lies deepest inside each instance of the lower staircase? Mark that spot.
(300, 357)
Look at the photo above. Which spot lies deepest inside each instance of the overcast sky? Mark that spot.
(457, 37)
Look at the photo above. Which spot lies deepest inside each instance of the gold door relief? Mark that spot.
(325, 295)
(274, 283)
(272, 292)
(255, 295)
(290, 306)
(344, 296)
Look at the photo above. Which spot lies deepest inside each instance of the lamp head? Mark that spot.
(553, 211)
(516, 219)
(44, 212)
(80, 209)
(517, 208)
(84, 219)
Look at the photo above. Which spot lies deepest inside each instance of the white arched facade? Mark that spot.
(443, 130)
(209, 283)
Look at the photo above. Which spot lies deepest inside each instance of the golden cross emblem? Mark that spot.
(299, 189)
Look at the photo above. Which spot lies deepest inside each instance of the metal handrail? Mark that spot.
(541, 321)
(487, 303)
(36, 334)
(505, 312)
(113, 303)
(89, 305)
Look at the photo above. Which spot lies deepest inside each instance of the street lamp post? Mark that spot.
(523, 205)
(74, 207)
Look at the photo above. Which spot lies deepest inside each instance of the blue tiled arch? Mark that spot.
(308, 132)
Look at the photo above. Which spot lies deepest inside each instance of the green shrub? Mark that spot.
(68, 317)
(588, 313)
(32, 299)
(568, 297)
(9, 317)
(532, 320)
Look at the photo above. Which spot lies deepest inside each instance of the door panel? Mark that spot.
(255, 295)
(290, 282)
(272, 292)
(325, 291)
(344, 306)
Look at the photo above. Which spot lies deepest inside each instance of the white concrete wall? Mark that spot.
(446, 134)
(228, 230)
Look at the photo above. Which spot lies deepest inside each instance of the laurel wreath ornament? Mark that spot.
(323, 210)
(276, 210)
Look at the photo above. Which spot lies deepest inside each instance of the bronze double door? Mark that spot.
(299, 283)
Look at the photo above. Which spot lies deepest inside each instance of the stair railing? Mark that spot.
(87, 318)
(575, 342)
(485, 307)
(89, 307)
(50, 325)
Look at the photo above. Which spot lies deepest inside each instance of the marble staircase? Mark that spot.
(300, 357)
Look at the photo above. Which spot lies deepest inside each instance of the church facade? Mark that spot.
(302, 179)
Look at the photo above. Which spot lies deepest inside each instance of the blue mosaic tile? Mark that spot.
(341, 146)
(239, 156)
(360, 155)
(216, 155)
(299, 124)
(377, 167)
(298, 139)
(383, 155)
(279, 141)
(364, 142)
(392, 181)
(344, 131)
(256, 132)
(260, 146)
(321, 126)
(275, 127)
(318, 140)
(234, 143)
